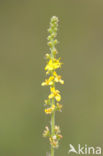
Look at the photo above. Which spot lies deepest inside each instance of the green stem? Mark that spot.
(52, 124)
(52, 128)
(53, 102)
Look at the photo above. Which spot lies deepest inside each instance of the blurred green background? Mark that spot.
(23, 44)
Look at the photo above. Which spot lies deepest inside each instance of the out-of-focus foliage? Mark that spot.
(22, 48)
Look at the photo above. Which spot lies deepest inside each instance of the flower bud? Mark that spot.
(50, 44)
(50, 30)
(47, 56)
(53, 35)
(54, 19)
(54, 52)
(52, 25)
(55, 41)
(49, 37)
(55, 29)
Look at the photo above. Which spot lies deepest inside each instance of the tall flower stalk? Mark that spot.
(52, 103)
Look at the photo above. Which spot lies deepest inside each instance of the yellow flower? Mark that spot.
(59, 136)
(48, 81)
(53, 64)
(50, 110)
(57, 129)
(59, 107)
(55, 94)
(58, 78)
(46, 132)
(47, 102)
(53, 142)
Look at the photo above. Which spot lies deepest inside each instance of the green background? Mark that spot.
(23, 44)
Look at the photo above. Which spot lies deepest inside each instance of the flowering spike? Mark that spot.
(52, 105)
